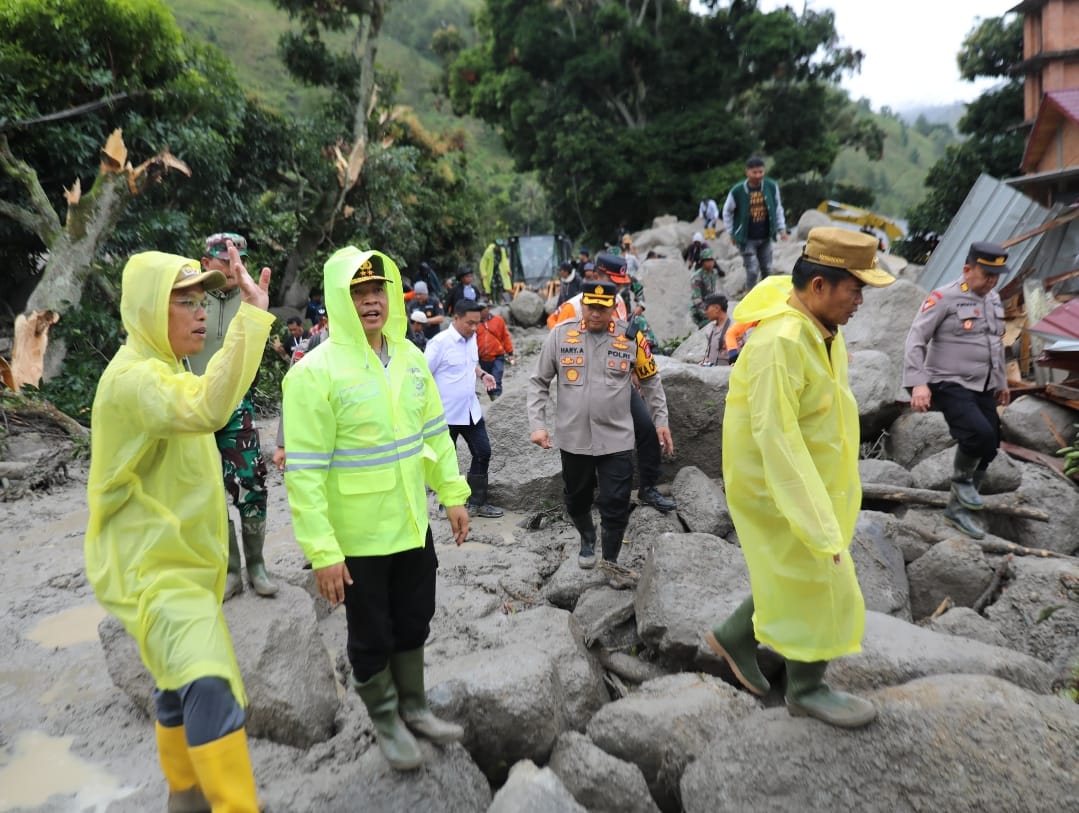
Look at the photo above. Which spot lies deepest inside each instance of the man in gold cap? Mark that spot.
(790, 467)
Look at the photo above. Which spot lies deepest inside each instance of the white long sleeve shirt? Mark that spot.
(452, 360)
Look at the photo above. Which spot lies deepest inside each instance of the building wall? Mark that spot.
(1053, 27)
(1063, 151)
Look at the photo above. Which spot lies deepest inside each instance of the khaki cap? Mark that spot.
(850, 250)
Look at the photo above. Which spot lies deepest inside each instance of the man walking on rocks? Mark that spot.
(243, 467)
(453, 359)
(594, 363)
(704, 282)
(753, 216)
(790, 464)
(364, 430)
(954, 362)
(156, 538)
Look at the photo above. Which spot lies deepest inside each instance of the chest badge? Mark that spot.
(573, 374)
(967, 325)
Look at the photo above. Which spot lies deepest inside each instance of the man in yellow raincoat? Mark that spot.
(790, 466)
(156, 545)
(364, 430)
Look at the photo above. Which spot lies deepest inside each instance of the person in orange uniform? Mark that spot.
(495, 346)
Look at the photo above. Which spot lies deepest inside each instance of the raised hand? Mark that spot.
(250, 292)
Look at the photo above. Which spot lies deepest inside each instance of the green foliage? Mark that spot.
(1071, 456)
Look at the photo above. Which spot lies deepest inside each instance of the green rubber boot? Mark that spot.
(254, 536)
(809, 696)
(963, 520)
(234, 585)
(395, 741)
(407, 668)
(733, 641)
(963, 488)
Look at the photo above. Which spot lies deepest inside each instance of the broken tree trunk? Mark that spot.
(28, 348)
(998, 504)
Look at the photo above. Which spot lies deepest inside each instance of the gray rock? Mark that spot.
(288, 675)
(878, 561)
(534, 790)
(955, 568)
(884, 471)
(882, 322)
(557, 634)
(1059, 498)
(694, 348)
(935, 473)
(689, 583)
(1023, 423)
(696, 397)
(666, 288)
(981, 744)
(567, 584)
(601, 609)
(523, 477)
(809, 220)
(664, 725)
(527, 309)
(509, 700)
(914, 436)
(894, 652)
(598, 781)
(963, 622)
(646, 525)
(872, 381)
(702, 505)
(1038, 610)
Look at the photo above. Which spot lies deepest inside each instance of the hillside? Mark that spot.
(248, 31)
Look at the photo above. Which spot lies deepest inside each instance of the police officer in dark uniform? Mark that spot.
(594, 362)
(954, 362)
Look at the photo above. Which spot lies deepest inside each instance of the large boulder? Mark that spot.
(1036, 423)
(878, 561)
(951, 742)
(601, 609)
(955, 569)
(557, 634)
(567, 583)
(534, 790)
(963, 622)
(810, 219)
(288, 674)
(1038, 610)
(894, 652)
(666, 232)
(1059, 498)
(694, 348)
(523, 477)
(527, 309)
(935, 473)
(882, 323)
(702, 505)
(598, 781)
(887, 472)
(510, 702)
(696, 397)
(914, 436)
(666, 296)
(872, 380)
(664, 725)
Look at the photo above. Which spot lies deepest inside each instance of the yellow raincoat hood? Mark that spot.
(156, 543)
(790, 468)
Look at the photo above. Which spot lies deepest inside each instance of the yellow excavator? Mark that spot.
(861, 217)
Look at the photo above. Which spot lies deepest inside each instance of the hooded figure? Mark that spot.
(156, 543)
(364, 431)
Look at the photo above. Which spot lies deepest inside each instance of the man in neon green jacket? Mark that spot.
(790, 467)
(364, 430)
(156, 545)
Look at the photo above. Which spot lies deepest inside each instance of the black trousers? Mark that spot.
(613, 473)
(389, 606)
(972, 419)
(644, 435)
(479, 445)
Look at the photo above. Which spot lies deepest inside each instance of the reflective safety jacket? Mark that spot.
(360, 438)
(790, 467)
(156, 542)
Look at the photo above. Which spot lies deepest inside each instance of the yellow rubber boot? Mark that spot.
(185, 796)
(225, 776)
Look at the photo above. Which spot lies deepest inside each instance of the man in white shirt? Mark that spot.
(454, 360)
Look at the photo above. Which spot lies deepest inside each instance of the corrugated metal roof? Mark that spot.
(992, 211)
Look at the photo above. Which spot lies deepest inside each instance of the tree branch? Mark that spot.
(46, 224)
(1001, 504)
(71, 112)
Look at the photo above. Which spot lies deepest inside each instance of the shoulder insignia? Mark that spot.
(931, 300)
(573, 332)
(964, 287)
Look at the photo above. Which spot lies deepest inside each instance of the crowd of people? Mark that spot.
(369, 429)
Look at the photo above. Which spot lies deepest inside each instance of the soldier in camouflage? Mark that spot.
(243, 467)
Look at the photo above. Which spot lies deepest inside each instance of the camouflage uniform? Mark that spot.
(242, 463)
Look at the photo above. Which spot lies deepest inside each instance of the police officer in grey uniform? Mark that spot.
(594, 363)
(954, 362)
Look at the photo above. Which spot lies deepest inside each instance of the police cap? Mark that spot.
(990, 256)
(599, 293)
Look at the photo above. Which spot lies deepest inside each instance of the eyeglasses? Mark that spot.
(192, 305)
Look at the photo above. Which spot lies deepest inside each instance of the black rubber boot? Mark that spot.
(652, 496)
(612, 545)
(960, 518)
(963, 481)
(733, 641)
(477, 501)
(586, 559)
(809, 696)
(407, 668)
(234, 584)
(253, 530)
(395, 741)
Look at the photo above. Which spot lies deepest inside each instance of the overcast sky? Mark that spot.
(909, 46)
